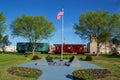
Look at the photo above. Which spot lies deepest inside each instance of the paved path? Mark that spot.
(58, 72)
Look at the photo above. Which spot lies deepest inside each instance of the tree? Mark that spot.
(99, 24)
(116, 42)
(4, 40)
(33, 28)
(2, 23)
(3, 37)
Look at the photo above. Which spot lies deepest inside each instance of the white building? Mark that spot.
(118, 49)
(51, 48)
(92, 46)
(9, 49)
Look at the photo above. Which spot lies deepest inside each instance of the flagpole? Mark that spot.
(62, 35)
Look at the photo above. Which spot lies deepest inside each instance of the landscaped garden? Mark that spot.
(10, 61)
(24, 72)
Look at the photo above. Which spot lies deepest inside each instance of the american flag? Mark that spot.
(61, 13)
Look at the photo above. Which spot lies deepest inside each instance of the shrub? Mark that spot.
(81, 59)
(66, 57)
(35, 57)
(91, 54)
(88, 58)
(56, 57)
(90, 74)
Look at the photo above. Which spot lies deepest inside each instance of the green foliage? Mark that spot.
(32, 28)
(35, 57)
(2, 23)
(3, 38)
(101, 25)
(4, 41)
(92, 23)
(90, 74)
(88, 58)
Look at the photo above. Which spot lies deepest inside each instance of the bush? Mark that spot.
(35, 57)
(88, 58)
(90, 74)
(81, 59)
(91, 54)
(56, 57)
(66, 57)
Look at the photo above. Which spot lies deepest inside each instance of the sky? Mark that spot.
(49, 9)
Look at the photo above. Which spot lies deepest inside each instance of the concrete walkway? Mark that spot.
(58, 72)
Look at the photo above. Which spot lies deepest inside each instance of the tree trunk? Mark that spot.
(3, 49)
(105, 48)
(33, 49)
(98, 48)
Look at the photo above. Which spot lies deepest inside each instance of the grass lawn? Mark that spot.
(112, 63)
(9, 60)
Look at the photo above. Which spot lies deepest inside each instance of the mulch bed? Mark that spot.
(24, 72)
(86, 74)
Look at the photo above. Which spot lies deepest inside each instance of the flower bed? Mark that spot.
(90, 74)
(24, 72)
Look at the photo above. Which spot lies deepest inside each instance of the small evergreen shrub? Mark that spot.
(81, 59)
(35, 57)
(88, 58)
(66, 57)
(56, 57)
(26, 55)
